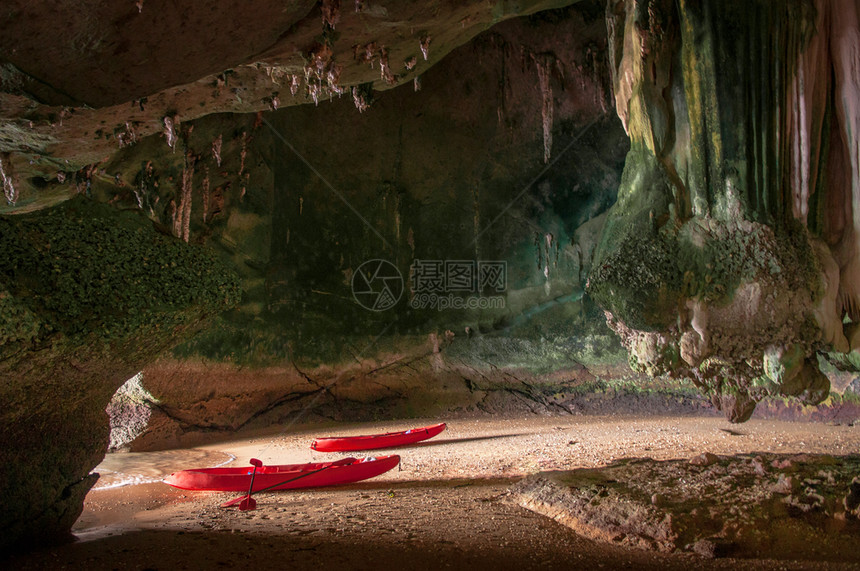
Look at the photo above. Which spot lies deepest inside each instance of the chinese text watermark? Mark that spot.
(377, 285)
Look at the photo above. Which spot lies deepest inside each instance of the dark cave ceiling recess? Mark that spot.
(111, 73)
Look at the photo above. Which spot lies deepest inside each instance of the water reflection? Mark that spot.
(128, 468)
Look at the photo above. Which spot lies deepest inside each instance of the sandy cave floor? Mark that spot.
(445, 508)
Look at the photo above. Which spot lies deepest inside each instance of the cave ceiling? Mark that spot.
(77, 83)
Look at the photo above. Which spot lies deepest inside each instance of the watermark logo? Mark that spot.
(441, 302)
(440, 284)
(377, 285)
(457, 276)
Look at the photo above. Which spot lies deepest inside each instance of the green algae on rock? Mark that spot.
(88, 296)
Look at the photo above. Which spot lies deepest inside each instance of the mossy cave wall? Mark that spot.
(89, 295)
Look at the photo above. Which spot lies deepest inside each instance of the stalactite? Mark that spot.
(365, 53)
(127, 136)
(424, 44)
(845, 38)
(544, 70)
(176, 216)
(88, 176)
(322, 74)
(359, 97)
(330, 13)
(8, 186)
(314, 93)
(216, 149)
(595, 63)
(243, 153)
(275, 73)
(743, 117)
(140, 192)
(333, 78)
(146, 181)
(187, 186)
(205, 192)
(170, 125)
(384, 68)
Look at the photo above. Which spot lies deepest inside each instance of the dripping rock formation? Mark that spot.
(730, 256)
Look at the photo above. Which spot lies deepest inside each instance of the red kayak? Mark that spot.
(289, 476)
(375, 441)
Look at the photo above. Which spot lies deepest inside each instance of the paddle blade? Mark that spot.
(255, 462)
(247, 504)
(234, 501)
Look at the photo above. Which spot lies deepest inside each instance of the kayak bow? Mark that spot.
(376, 441)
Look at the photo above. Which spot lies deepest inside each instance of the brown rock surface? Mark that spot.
(117, 70)
(732, 506)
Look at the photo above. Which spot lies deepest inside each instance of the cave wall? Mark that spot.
(730, 257)
(88, 296)
(201, 174)
(454, 171)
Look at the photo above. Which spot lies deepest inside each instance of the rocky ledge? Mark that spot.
(764, 506)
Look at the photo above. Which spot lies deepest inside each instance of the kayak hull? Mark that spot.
(376, 441)
(312, 475)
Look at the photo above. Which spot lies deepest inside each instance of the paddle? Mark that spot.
(250, 503)
(241, 499)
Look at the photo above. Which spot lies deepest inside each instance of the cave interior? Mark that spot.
(219, 219)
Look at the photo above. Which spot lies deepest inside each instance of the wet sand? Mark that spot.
(445, 507)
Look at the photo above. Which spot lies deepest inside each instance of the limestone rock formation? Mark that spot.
(299, 198)
(770, 506)
(132, 105)
(129, 411)
(731, 255)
